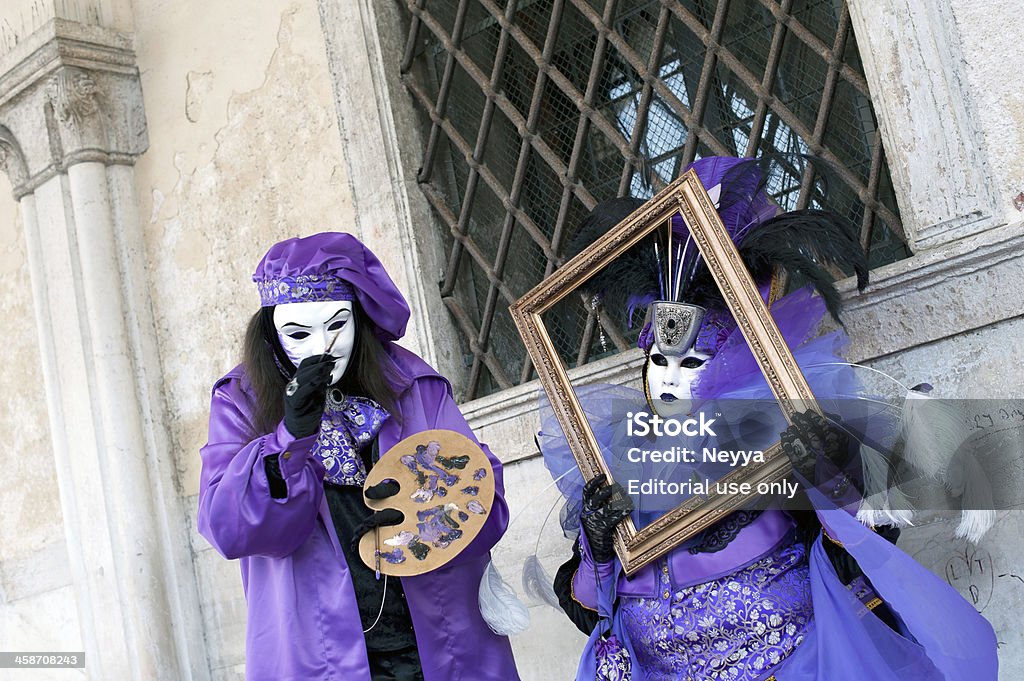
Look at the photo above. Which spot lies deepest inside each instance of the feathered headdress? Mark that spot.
(807, 246)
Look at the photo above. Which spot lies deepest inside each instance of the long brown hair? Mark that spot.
(370, 371)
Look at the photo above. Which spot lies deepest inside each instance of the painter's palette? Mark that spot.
(446, 491)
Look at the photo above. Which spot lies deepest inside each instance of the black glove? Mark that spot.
(604, 507)
(305, 395)
(385, 518)
(382, 490)
(389, 516)
(810, 439)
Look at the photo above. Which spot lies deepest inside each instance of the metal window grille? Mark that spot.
(537, 109)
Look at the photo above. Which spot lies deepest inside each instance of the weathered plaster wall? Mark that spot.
(244, 151)
(19, 18)
(994, 77)
(981, 365)
(37, 606)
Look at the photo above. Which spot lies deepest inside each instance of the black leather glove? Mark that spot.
(604, 507)
(382, 490)
(811, 439)
(389, 516)
(385, 518)
(305, 395)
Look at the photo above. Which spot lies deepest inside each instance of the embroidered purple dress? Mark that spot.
(746, 601)
(303, 620)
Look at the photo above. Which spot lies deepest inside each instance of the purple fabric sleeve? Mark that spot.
(946, 627)
(584, 582)
(237, 514)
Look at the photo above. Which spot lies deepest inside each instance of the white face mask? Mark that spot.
(307, 329)
(670, 377)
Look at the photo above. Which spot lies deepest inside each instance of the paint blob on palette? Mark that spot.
(446, 488)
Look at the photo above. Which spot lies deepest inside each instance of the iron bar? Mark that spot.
(441, 106)
(646, 95)
(706, 79)
(771, 67)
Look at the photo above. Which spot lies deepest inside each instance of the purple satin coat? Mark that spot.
(303, 623)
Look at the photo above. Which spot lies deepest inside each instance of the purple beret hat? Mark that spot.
(332, 266)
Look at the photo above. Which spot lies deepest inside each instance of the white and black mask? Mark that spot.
(670, 376)
(308, 329)
(672, 362)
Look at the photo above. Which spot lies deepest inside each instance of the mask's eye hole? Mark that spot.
(659, 359)
(298, 335)
(692, 362)
(335, 326)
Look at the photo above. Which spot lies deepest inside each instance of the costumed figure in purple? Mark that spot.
(783, 592)
(322, 392)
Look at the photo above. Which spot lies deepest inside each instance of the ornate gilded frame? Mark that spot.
(685, 195)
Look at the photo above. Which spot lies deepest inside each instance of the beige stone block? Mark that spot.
(224, 609)
(535, 529)
(40, 572)
(44, 622)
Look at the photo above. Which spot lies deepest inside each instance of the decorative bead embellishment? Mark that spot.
(673, 323)
(302, 289)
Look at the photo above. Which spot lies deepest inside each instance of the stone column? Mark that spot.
(913, 61)
(71, 127)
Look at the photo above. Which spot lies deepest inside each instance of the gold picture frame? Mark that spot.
(687, 196)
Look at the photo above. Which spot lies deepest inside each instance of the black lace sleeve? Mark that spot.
(719, 535)
(584, 618)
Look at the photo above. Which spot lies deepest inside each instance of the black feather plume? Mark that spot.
(805, 243)
(809, 245)
(634, 272)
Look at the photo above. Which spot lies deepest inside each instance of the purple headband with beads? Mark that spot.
(304, 288)
(716, 328)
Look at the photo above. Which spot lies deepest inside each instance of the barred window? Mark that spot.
(537, 109)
